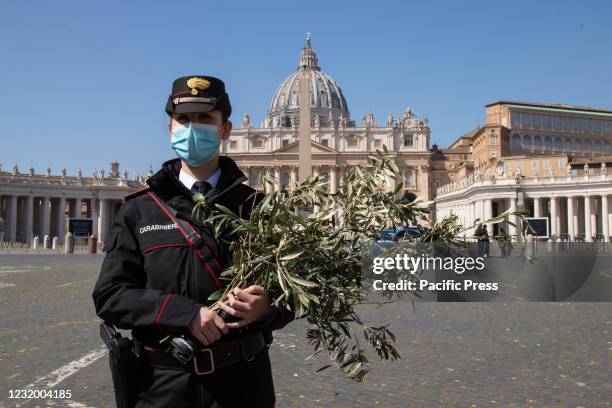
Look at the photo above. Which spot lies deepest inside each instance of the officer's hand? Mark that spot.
(251, 305)
(206, 326)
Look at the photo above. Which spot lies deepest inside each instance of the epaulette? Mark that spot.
(136, 193)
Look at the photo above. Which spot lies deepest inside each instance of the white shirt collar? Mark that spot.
(189, 181)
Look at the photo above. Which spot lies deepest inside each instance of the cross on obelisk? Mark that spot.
(304, 153)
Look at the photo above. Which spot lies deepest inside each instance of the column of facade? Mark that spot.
(29, 214)
(512, 228)
(570, 218)
(277, 176)
(553, 217)
(587, 218)
(594, 216)
(13, 219)
(61, 223)
(488, 209)
(266, 185)
(537, 208)
(315, 170)
(576, 216)
(333, 179)
(45, 218)
(293, 177)
(341, 173)
(102, 214)
(605, 222)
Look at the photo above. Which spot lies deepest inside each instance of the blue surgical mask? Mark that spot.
(195, 143)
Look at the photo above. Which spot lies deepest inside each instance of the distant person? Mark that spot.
(505, 243)
(483, 241)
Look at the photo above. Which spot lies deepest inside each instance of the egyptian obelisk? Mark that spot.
(304, 153)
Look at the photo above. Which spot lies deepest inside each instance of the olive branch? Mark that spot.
(305, 246)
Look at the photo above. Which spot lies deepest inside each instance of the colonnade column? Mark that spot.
(553, 217)
(587, 218)
(570, 218)
(488, 209)
(537, 210)
(45, 218)
(61, 223)
(605, 222)
(13, 218)
(512, 228)
(29, 219)
(594, 216)
(102, 221)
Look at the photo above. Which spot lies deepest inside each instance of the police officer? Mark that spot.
(161, 266)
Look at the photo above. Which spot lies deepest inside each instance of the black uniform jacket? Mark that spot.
(151, 280)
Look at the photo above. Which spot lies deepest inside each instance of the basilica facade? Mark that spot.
(338, 142)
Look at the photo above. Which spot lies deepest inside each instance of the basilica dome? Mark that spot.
(327, 101)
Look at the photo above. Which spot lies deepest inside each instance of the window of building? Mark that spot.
(284, 143)
(408, 177)
(325, 142)
(536, 121)
(493, 139)
(515, 118)
(567, 126)
(516, 142)
(377, 143)
(534, 166)
(352, 141)
(557, 123)
(525, 120)
(545, 164)
(407, 140)
(232, 144)
(575, 125)
(537, 143)
(586, 125)
(596, 125)
(526, 142)
(258, 142)
(561, 164)
(546, 121)
(257, 177)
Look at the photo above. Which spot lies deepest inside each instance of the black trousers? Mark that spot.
(244, 384)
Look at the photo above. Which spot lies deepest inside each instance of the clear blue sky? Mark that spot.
(83, 83)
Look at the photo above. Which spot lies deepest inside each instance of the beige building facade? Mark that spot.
(550, 160)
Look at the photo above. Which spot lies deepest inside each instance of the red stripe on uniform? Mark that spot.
(162, 246)
(169, 216)
(161, 310)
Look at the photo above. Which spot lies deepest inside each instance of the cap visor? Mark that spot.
(193, 107)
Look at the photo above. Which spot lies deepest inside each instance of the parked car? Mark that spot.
(395, 234)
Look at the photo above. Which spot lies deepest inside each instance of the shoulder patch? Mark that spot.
(136, 193)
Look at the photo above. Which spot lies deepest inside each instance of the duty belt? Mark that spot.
(207, 360)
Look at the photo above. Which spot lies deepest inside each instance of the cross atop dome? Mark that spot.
(308, 58)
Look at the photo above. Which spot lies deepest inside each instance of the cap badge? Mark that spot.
(196, 84)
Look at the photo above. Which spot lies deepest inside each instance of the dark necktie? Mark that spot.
(201, 187)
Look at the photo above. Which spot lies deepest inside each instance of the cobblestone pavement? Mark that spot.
(453, 354)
